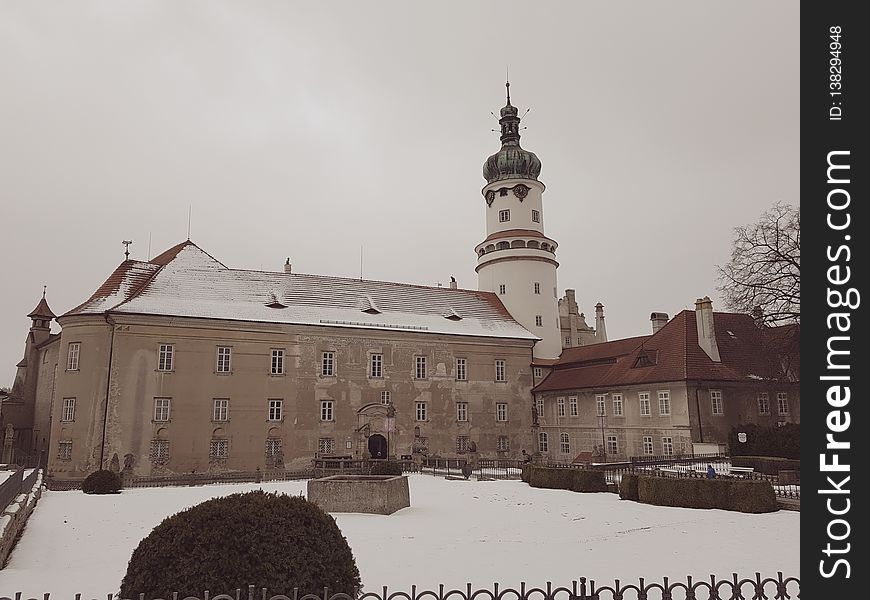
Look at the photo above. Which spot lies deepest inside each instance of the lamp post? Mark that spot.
(391, 424)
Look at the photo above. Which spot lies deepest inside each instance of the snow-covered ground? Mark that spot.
(454, 532)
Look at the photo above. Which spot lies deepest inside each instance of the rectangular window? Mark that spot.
(539, 372)
(219, 448)
(276, 409)
(500, 374)
(461, 373)
(502, 289)
(326, 446)
(69, 410)
(274, 447)
(462, 411)
(502, 444)
(543, 442)
(504, 215)
(420, 412)
(782, 402)
(539, 402)
(568, 340)
(643, 397)
(612, 445)
(647, 445)
(763, 404)
(536, 216)
(164, 359)
(560, 406)
(664, 403)
(539, 321)
(327, 364)
(716, 401)
(617, 405)
(221, 409)
(668, 446)
(64, 450)
(572, 404)
(161, 409)
(326, 413)
(386, 397)
(564, 443)
(419, 367)
(158, 453)
(376, 365)
(537, 288)
(72, 356)
(461, 444)
(277, 362)
(223, 359)
(501, 411)
(600, 408)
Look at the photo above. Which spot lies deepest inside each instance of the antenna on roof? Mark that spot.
(360, 262)
(149, 245)
(127, 249)
(189, 210)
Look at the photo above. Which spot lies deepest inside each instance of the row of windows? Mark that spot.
(664, 404)
(611, 444)
(536, 288)
(505, 215)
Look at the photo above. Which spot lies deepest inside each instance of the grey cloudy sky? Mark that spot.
(307, 129)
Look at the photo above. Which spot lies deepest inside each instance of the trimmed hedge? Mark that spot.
(628, 487)
(769, 465)
(385, 467)
(576, 480)
(102, 482)
(275, 541)
(525, 472)
(741, 495)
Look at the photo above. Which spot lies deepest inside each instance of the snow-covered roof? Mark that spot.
(185, 281)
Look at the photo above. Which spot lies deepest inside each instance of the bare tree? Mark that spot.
(764, 273)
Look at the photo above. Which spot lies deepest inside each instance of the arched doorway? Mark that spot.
(377, 446)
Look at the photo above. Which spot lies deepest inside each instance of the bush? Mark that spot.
(588, 481)
(577, 480)
(525, 472)
(628, 487)
(769, 465)
(273, 541)
(102, 482)
(385, 467)
(742, 495)
(783, 442)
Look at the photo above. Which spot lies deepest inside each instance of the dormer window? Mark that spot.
(274, 302)
(367, 305)
(452, 315)
(643, 360)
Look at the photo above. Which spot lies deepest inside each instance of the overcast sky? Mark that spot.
(308, 129)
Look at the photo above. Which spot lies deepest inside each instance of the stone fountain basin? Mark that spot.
(375, 494)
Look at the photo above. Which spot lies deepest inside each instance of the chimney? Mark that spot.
(706, 331)
(452, 282)
(287, 266)
(659, 320)
(600, 330)
(758, 316)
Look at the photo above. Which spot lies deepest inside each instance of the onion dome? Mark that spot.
(511, 162)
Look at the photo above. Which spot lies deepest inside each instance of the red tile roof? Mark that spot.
(42, 310)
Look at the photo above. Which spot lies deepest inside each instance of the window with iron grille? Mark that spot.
(763, 404)
(72, 356)
(643, 397)
(274, 447)
(419, 367)
(612, 445)
(161, 409)
(782, 402)
(617, 405)
(326, 413)
(647, 445)
(664, 403)
(560, 406)
(158, 453)
(461, 444)
(224, 353)
(386, 397)
(543, 442)
(64, 450)
(501, 411)
(376, 365)
(572, 404)
(420, 411)
(69, 410)
(668, 446)
(502, 443)
(462, 411)
(221, 409)
(500, 373)
(276, 409)
(326, 446)
(564, 443)
(327, 364)
(219, 448)
(165, 357)
(600, 408)
(461, 373)
(716, 401)
(277, 367)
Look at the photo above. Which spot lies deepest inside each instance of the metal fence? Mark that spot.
(484, 468)
(733, 588)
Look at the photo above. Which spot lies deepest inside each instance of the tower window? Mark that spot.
(537, 288)
(504, 215)
(72, 357)
(539, 320)
(502, 192)
(536, 216)
(502, 289)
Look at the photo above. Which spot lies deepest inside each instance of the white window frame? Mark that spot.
(618, 406)
(277, 365)
(327, 410)
(573, 406)
(276, 410)
(560, 406)
(224, 362)
(501, 412)
(664, 403)
(782, 407)
(716, 406)
(500, 370)
(386, 397)
(536, 216)
(421, 412)
(543, 442)
(162, 407)
(564, 443)
(763, 403)
(462, 412)
(611, 445)
(504, 215)
(601, 405)
(68, 414)
(538, 372)
(539, 404)
(219, 448)
(166, 357)
(326, 446)
(648, 448)
(73, 354)
(327, 364)
(220, 409)
(667, 446)
(643, 401)
(376, 365)
(420, 367)
(461, 369)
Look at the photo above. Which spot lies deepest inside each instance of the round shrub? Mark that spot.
(386, 467)
(102, 482)
(271, 541)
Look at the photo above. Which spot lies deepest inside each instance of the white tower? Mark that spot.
(516, 260)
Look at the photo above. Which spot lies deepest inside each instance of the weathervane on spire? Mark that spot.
(45, 287)
(127, 249)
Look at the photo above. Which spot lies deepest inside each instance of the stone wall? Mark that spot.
(15, 516)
